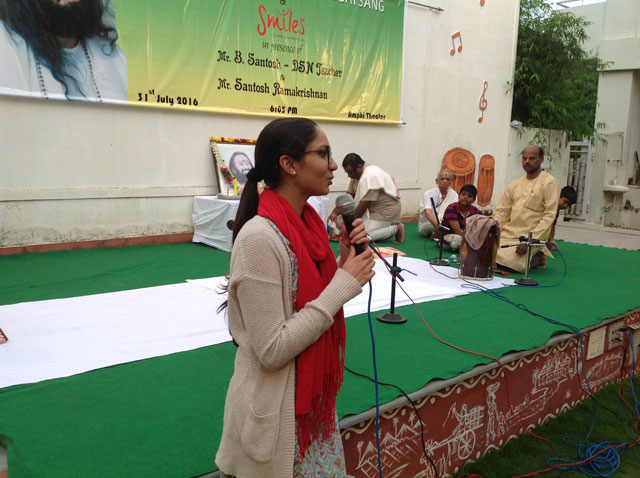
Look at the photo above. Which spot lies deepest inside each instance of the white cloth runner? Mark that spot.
(428, 284)
(62, 337)
(58, 338)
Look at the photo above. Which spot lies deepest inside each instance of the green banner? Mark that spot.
(328, 59)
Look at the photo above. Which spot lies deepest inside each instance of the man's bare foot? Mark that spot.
(399, 234)
(538, 261)
(504, 270)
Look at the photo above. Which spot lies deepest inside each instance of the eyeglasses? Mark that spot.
(324, 153)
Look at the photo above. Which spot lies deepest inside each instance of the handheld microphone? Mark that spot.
(347, 209)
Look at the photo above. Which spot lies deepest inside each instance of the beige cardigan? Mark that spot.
(258, 436)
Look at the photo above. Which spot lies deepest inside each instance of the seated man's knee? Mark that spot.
(426, 229)
(453, 241)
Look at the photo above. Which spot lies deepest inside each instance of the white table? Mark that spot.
(213, 216)
(211, 220)
(321, 205)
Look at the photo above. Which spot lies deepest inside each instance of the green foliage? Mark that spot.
(552, 149)
(555, 84)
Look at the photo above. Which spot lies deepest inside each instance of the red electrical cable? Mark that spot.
(625, 343)
(576, 463)
(504, 372)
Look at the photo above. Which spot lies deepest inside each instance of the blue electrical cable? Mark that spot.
(598, 465)
(606, 463)
(564, 273)
(375, 377)
(609, 459)
(633, 367)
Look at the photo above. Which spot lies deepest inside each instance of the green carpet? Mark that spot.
(162, 416)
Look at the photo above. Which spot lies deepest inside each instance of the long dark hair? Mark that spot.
(285, 136)
(40, 23)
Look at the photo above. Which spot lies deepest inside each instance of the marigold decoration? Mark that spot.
(233, 140)
(222, 166)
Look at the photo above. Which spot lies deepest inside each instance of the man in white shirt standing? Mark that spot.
(442, 196)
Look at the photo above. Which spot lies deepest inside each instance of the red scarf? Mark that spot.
(319, 369)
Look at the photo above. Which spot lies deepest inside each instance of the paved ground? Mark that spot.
(572, 231)
(595, 235)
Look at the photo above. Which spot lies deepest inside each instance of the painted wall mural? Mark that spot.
(486, 167)
(462, 164)
(466, 420)
(483, 101)
(457, 35)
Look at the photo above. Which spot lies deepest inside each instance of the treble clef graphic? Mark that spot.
(483, 101)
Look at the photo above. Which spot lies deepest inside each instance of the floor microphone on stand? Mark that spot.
(526, 280)
(440, 261)
(392, 317)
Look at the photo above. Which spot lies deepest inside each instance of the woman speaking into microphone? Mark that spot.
(285, 296)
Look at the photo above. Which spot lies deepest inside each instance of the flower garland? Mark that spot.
(233, 140)
(222, 166)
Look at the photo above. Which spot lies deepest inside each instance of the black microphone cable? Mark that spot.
(375, 380)
(415, 409)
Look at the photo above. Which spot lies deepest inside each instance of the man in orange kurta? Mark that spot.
(528, 205)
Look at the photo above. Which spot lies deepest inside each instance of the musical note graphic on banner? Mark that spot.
(483, 101)
(453, 42)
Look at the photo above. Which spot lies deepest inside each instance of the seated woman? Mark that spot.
(455, 215)
(285, 296)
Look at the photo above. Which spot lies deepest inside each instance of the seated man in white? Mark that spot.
(442, 197)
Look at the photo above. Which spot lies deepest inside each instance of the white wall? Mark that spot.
(556, 157)
(615, 36)
(72, 172)
(603, 208)
(633, 136)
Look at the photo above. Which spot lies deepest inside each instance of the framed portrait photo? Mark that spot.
(233, 159)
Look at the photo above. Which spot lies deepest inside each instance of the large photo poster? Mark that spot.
(324, 59)
(61, 49)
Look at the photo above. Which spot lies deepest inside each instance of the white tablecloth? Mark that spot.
(211, 220)
(213, 216)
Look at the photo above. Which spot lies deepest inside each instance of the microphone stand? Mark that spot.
(392, 317)
(525, 280)
(439, 261)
